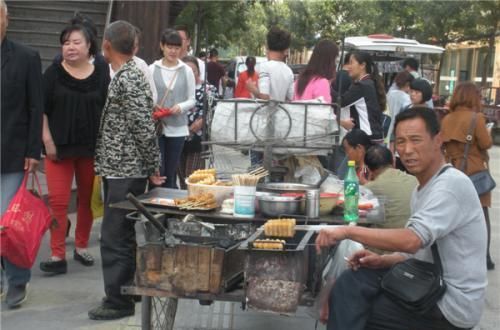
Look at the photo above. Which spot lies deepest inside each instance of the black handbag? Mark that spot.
(415, 284)
(482, 180)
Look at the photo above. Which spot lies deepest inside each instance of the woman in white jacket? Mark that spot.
(175, 84)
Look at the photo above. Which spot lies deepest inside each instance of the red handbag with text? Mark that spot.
(23, 225)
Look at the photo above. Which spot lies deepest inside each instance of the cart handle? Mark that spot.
(140, 207)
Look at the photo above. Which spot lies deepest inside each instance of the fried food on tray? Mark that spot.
(269, 244)
(207, 177)
(201, 175)
(280, 227)
(201, 201)
(207, 180)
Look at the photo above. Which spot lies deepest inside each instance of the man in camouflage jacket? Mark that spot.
(127, 154)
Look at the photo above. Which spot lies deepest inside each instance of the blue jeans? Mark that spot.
(171, 150)
(10, 183)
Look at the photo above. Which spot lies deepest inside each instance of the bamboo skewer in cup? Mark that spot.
(245, 186)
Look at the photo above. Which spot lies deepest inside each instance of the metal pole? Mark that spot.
(269, 136)
(206, 108)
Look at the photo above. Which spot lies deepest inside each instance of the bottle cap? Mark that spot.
(351, 163)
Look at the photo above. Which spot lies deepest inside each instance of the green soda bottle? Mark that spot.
(351, 194)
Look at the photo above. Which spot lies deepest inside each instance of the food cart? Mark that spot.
(203, 268)
(194, 249)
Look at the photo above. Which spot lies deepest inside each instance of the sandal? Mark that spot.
(84, 258)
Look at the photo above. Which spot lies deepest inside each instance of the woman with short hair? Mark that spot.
(75, 92)
(355, 144)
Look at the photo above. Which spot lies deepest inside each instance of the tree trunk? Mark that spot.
(487, 59)
(438, 77)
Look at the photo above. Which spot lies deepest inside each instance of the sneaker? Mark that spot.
(84, 258)
(55, 267)
(16, 295)
(108, 313)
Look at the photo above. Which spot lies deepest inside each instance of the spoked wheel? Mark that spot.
(158, 313)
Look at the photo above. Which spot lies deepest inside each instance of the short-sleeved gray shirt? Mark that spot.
(447, 210)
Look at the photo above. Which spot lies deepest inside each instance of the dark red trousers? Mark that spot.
(59, 179)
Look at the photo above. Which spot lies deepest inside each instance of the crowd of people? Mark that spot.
(105, 112)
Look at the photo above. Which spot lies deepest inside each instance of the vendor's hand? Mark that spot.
(51, 150)
(251, 86)
(157, 180)
(30, 164)
(330, 236)
(348, 124)
(176, 109)
(365, 258)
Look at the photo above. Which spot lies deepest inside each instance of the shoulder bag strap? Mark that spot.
(468, 138)
(434, 247)
(167, 89)
(436, 257)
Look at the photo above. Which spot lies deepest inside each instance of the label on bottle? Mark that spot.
(351, 197)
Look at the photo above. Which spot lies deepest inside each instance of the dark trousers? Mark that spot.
(118, 244)
(357, 303)
(171, 150)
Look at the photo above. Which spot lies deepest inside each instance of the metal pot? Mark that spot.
(288, 187)
(274, 206)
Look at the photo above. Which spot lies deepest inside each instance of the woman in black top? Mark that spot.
(74, 92)
(366, 96)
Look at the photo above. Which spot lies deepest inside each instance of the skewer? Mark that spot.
(258, 169)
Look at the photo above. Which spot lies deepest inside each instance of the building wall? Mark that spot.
(151, 17)
(465, 62)
(39, 23)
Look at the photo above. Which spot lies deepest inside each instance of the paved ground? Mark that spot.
(61, 302)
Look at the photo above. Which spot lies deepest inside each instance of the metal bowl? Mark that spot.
(273, 206)
(284, 186)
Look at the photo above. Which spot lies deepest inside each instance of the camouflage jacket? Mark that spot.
(126, 143)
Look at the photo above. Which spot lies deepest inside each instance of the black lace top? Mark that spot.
(73, 107)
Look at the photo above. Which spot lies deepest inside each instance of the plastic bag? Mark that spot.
(332, 270)
(96, 203)
(24, 224)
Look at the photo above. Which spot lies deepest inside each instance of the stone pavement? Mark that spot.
(62, 302)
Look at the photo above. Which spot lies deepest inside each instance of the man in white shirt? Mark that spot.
(275, 77)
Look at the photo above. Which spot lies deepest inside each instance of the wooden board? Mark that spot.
(186, 270)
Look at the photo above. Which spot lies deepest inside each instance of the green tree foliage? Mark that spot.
(243, 24)
(221, 21)
(488, 27)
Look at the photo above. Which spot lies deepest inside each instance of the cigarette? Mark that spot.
(347, 259)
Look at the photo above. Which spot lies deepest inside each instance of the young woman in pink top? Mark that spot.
(314, 81)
